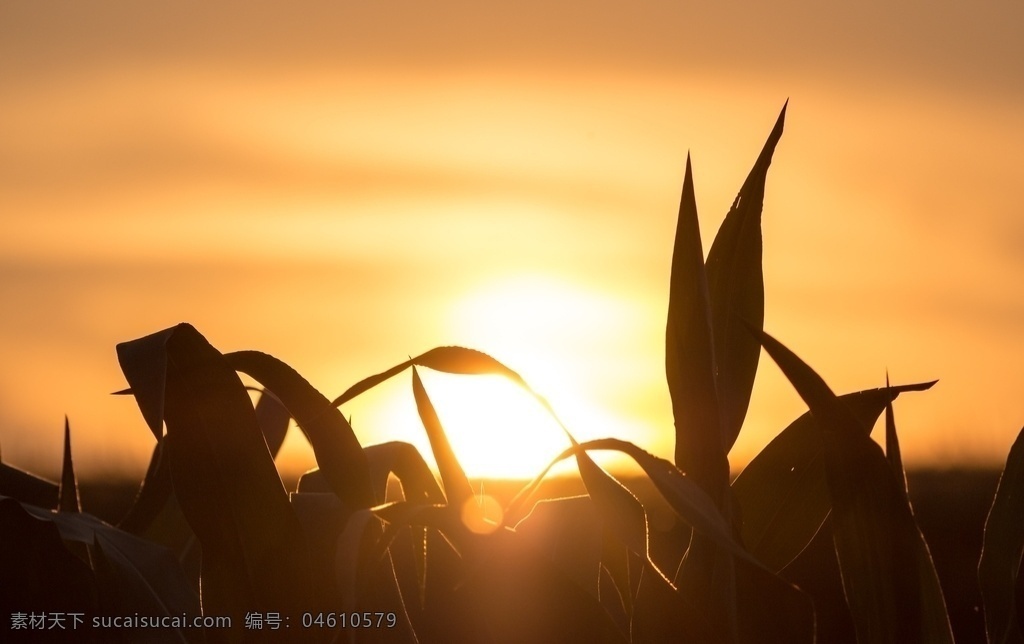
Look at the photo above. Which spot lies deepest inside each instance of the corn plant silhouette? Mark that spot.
(214, 532)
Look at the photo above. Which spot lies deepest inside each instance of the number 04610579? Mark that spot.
(366, 619)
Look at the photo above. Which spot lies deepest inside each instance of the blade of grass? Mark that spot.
(736, 288)
(999, 570)
(690, 357)
(335, 445)
(782, 493)
(888, 577)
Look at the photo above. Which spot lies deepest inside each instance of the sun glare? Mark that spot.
(559, 336)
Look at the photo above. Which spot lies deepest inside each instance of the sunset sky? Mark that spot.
(345, 184)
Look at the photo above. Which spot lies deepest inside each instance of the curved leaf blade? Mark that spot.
(407, 464)
(888, 576)
(144, 364)
(334, 443)
(782, 493)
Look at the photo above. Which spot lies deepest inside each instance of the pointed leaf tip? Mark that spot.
(68, 500)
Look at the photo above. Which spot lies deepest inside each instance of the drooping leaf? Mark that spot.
(335, 445)
(684, 497)
(888, 576)
(407, 464)
(456, 484)
(144, 364)
(736, 287)
(621, 512)
(782, 493)
(69, 501)
(227, 486)
(999, 571)
(456, 360)
(690, 357)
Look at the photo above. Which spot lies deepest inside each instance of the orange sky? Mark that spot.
(347, 184)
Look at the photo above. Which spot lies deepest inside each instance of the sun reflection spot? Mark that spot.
(482, 514)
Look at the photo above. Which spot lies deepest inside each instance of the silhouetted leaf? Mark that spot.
(685, 497)
(890, 582)
(736, 288)
(335, 446)
(39, 573)
(226, 483)
(405, 462)
(454, 360)
(1001, 555)
(621, 512)
(68, 501)
(782, 493)
(27, 488)
(456, 484)
(144, 364)
(151, 569)
(457, 360)
(690, 357)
